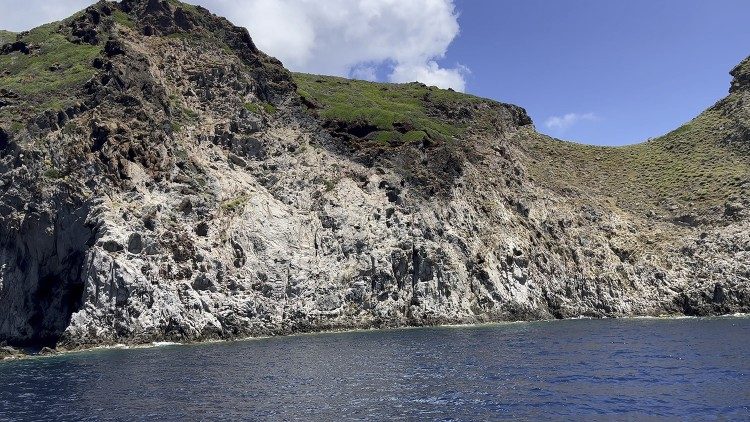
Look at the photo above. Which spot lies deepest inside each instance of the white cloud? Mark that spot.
(431, 74)
(21, 15)
(562, 123)
(364, 72)
(336, 37)
(353, 37)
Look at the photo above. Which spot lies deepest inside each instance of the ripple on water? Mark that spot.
(686, 368)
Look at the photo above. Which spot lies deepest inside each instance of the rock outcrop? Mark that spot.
(741, 75)
(189, 193)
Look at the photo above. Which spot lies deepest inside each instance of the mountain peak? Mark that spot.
(160, 17)
(741, 74)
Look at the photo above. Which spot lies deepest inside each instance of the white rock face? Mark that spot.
(301, 255)
(188, 214)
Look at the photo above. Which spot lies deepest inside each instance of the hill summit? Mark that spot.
(163, 179)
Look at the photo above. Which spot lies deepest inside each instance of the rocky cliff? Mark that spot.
(163, 179)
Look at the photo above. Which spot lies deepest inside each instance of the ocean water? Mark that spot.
(683, 369)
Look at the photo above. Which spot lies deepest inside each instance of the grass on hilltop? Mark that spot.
(43, 79)
(385, 106)
(688, 167)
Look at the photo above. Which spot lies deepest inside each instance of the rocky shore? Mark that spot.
(187, 189)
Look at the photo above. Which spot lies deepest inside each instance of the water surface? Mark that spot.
(694, 369)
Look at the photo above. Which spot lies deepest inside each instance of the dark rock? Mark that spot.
(351, 129)
(741, 74)
(135, 243)
(202, 282)
(186, 206)
(733, 209)
(84, 29)
(690, 220)
(237, 161)
(403, 127)
(16, 46)
(4, 139)
(181, 19)
(114, 48)
(393, 194)
(719, 296)
(112, 246)
(99, 136)
(202, 229)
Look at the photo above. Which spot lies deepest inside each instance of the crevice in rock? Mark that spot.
(350, 129)
(4, 140)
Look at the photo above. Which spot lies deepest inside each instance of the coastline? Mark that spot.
(54, 353)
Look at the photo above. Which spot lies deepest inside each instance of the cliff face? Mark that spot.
(162, 179)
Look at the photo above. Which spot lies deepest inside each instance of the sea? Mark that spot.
(585, 369)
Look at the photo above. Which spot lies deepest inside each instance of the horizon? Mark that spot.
(611, 83)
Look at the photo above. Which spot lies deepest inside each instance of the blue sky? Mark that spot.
(608, 72)
(629, 70)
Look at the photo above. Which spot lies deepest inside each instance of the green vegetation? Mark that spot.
(181, 116)
(269, 108)
(385, 106)
(123, 19)
(414, 136)
(7, 36)
(16, 127)
(235, 204)
(256, 108)
(45, 77)
(688, 166)
(189, 8)
(329, 185)
(53, 174)
(253, 108)
(189, 114)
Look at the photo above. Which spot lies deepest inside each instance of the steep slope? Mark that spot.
(161, 178)
(697, 168)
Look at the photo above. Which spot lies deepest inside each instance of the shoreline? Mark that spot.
(52, 353)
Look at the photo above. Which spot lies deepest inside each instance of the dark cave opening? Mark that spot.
(42, 265)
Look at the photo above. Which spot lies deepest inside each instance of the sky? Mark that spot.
(592, 71)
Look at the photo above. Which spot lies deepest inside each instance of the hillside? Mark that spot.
(163, 179)
(692, 173)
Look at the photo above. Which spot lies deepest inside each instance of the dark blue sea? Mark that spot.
(632, 369)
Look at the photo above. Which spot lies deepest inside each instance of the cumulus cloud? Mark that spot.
(365, 72)
(354, 37)
(562, 123)
(431, 74)
(351, 38)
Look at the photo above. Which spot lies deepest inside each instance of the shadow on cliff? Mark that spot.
(41, 261)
